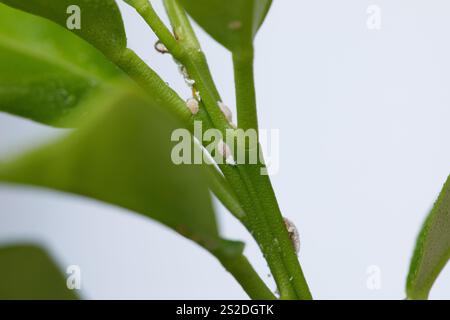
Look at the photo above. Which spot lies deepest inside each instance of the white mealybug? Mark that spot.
(224, 150)
(293, 234)
(189, 82)
(160, 47)
(225, 110)
(192, 105)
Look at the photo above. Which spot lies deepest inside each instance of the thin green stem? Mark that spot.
(146, 11)
(155, 87)
(186, 37)
(245, 89)
(247, 119)
(184, 48)
(184, 33)
(193, 58)
(247, 277)
(219, 185)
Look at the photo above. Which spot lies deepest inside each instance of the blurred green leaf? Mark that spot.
(432, 248)
(122, 156)
(101, 21)
(233, 23)
(28, 272)
(46, 73)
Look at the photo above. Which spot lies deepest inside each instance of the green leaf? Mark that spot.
(28, 272)
(122, 156)
(101, 21)
(233, 23)
(432, 248)
(47, 73)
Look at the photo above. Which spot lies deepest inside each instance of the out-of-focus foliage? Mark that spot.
(122, 155)
(47, 73)
(101, 21)
(233, 23)
(28, 272)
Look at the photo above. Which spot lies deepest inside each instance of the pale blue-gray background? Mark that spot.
(363, 117)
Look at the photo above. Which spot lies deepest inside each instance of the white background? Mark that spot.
(363, 117)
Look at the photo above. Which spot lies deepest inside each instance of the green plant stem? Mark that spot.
(264, 222)
(155, 87)
(280, 237)
(192, 57)
(158, 90)
(223, 191)
(146, 11)
(245, 89)
(274, 240)
(190, 47)
(185, 49)
(257, 225)
(247, 277)
(266, 226)
(239, 266)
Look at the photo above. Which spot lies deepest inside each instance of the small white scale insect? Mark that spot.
(293, 234)
(227, 113)
(160, 47)
(192, 105)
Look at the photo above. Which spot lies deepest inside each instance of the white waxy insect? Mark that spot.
(192, 105)
(189, 82)
(160, 47)
(224, 150)
(293, 234)
(225, 110)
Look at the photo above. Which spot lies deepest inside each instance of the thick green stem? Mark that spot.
(280, 237)
(245, 89)
(256, 222)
